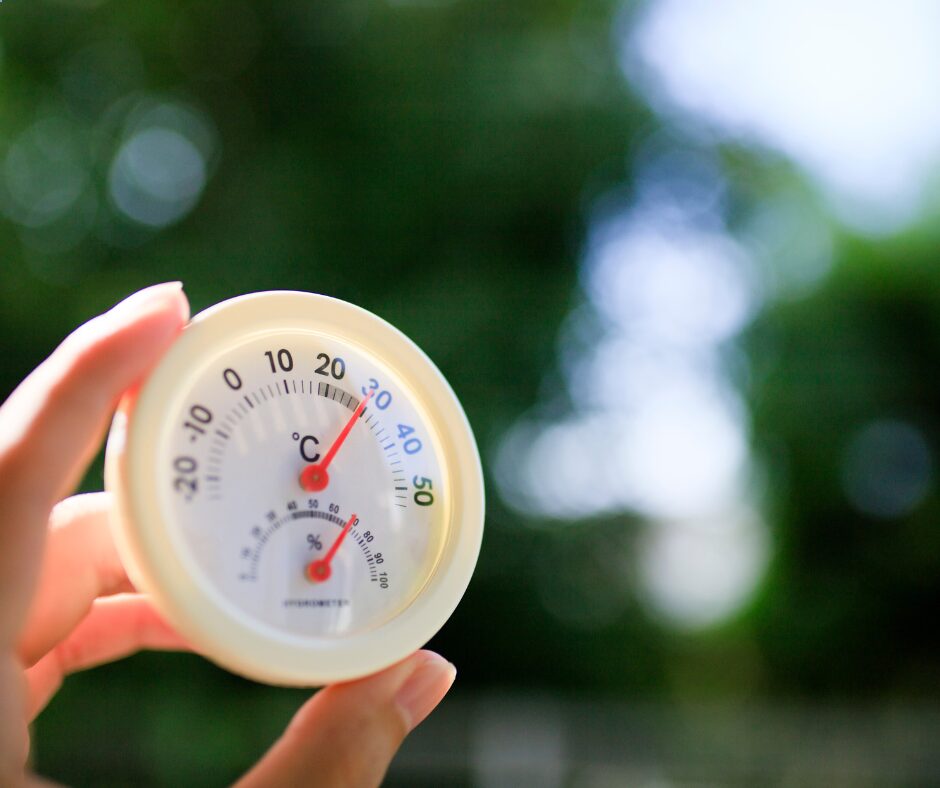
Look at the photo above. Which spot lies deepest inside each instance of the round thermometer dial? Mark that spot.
(298, 489)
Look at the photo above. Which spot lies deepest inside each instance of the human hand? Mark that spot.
(67, 601)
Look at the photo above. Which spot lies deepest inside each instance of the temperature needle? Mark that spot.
(314, 477)
(319, 570)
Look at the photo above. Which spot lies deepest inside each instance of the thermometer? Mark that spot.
(297, 488)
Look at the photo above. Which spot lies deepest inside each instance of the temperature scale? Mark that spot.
(297, 488)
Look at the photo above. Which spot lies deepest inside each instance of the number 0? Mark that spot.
(233, 379)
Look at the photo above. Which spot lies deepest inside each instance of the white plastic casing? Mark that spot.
(153, 558)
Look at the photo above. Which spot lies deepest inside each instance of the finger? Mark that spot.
(347, 734)
(53, 421)
(52, 424)
(116, 627)
(14, 735)
(79, 565)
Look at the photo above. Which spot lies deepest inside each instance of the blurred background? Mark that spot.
(679, 262)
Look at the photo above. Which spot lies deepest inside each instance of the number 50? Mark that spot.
(423, 494)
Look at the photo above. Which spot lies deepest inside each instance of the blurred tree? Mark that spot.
(427, 161)
(435, 162)
(858, 553)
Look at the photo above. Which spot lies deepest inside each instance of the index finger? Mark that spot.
(52, 424)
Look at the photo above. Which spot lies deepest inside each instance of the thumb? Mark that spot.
(347, 734)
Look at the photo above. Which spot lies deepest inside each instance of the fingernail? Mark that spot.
(425, 688)
(151, 296)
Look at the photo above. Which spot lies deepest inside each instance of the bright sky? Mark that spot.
(847, 89)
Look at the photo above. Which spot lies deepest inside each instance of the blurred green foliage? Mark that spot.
(434, 163)
(428, 163)
(844, 611)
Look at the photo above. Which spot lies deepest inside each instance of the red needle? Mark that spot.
(314, 477)
(319, 570)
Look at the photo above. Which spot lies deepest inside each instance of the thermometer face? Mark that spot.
(298, 489)
(254, 418)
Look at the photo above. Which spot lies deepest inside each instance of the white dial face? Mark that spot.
(281, 513)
